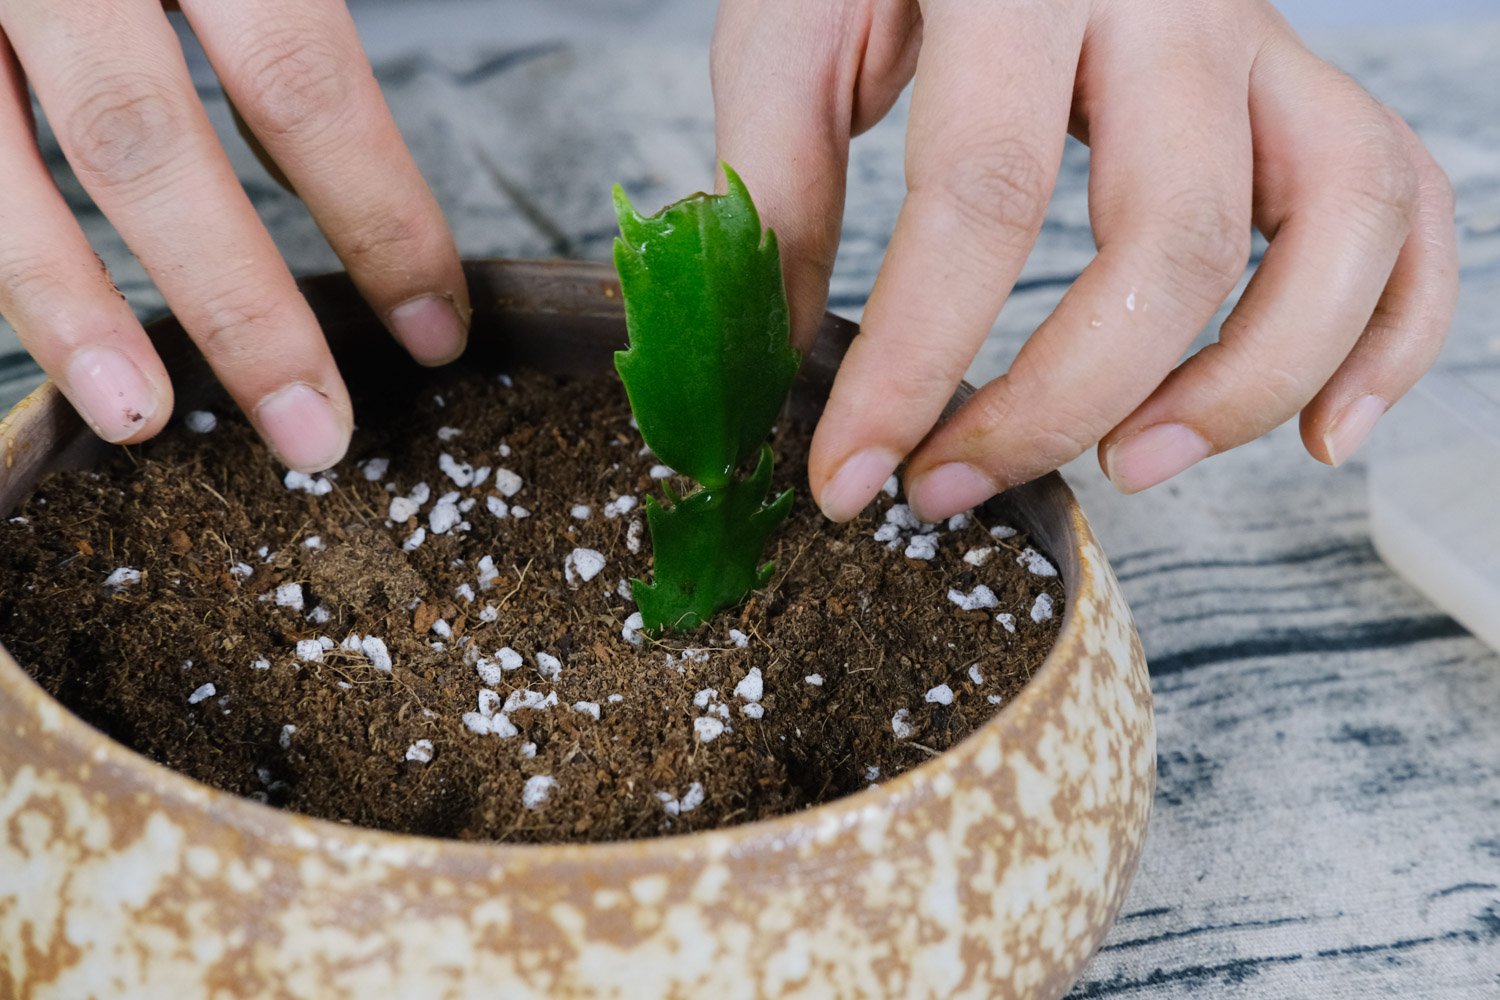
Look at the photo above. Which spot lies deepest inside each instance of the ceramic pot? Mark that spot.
(991, 871)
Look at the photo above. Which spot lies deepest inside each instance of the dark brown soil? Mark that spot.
(195, 512)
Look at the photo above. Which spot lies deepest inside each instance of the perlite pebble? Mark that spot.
(1007, 620)
(892, 484)
(496, 506)
(753, 710)
(1002, 531)
(1042, 609)
(581, 512)
(510, 659)
(1036, 563)
(590, 708)
(816, 680)
(286, 736)
(507, 482)
(420, 751)
(536, 791)
(402, 508)
(124, 577)
(707, 728)
(414, 540)
(751, 687)
(205, 691)
(289, 595)
(448, 433)
(524, 698)
(980, 597)
(975, 675)
(309, 650)
(549, 666)
(582, 565)
(375, 651)
(976, 557)
(922, 547)
(631, 633)
(618, 506)
(901, 726)
(295, 480)
(940, 695)
(261, 664)
(200, 421)
(375, 469)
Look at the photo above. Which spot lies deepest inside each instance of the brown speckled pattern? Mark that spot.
(992, 871)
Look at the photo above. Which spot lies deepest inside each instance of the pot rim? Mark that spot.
(786, 831)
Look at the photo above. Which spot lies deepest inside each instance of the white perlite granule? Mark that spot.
(1036, 563)
(975, 675)
(286, 736)
(618, 506)
(660, 471)
(518, 512)
(414, 540)
(508, 483)
(631, 633)
(582, 565)
(375, 651)
(488, 574)
(536, 791)
(489, 614)
(200, 421)
(703, 697)
(976, 557)
(528, 751)
(1007, 620)
(691, 799)
(708, 728)
(375, 469)
(206, 691)
(901, 516)
(534, 700)
(901, 726)
(442, 628)
(444, 516)
(302, 481)
(995, 699)
(892, 484)
(740, 639)
(816, 680)
(319, 615)
(940, 695)
(465, 591)
(980, 597)
(124, 577)
(958, 522)
(261, 664)
(921, 547)
(309, 650)
(1042, 609)
(754, 710)
(242, 571)
(872, 772)
(581, 512)
(510, 659)
(1002, 531)
(289, 595)
(625, 590)
(420, 751)
(633, 536)
(402, 508)
(549, 666)
(448, 433)
(590, 708)
(488, 670)
(496, 506)
(751, 687)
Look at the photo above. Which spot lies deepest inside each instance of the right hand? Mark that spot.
(115, 87)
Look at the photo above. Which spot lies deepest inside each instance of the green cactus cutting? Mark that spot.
(707, 372)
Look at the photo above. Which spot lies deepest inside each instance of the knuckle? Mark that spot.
(1381, 179)
(298, 82)
(124, 130)
(390, 242)
(997, 186)
(1204, 247)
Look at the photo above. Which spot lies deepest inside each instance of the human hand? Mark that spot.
(116, 89)
(1202, 119)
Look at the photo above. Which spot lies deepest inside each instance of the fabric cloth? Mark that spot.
(1327, 819)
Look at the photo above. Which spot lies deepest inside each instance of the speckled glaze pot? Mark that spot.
(991, 871)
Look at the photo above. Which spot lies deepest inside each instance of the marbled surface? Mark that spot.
(1328, 811)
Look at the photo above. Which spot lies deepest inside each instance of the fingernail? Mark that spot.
(1351, 427)
(430, 328)
(110, 393)
(300, 423)
(1153, 456)
(854, 485)
(948, 489)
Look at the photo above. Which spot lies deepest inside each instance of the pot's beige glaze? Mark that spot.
(992, 871)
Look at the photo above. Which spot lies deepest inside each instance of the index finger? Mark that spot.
(979, 174)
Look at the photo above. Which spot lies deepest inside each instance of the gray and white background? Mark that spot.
(1327, 820)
